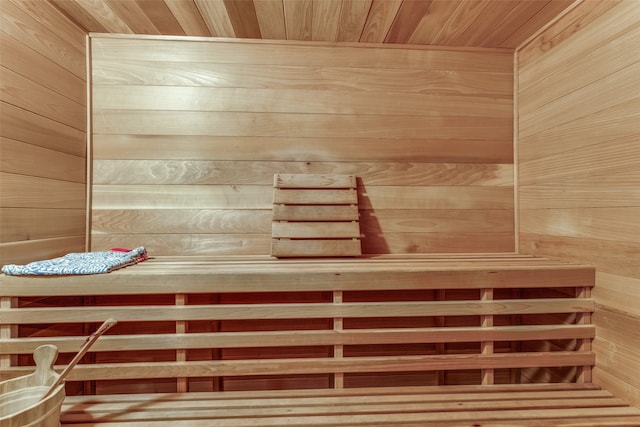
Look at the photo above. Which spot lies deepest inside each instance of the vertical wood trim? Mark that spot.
(181, 354)
(584, 372)
(89, 150)
(487, 347)
(516, 193)
(7, 331)
(338, 350)
(441, 348)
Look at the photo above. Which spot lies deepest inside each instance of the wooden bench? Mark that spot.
(468, 340)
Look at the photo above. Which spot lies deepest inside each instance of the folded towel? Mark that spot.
(79, 263)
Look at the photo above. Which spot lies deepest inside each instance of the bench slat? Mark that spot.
(297, 311)
(311, 365)
(309, 338)
(532, 405)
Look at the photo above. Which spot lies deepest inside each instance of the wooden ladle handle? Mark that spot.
(83, 350)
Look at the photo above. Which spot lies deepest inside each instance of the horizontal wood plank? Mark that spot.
(315, 213)
(315, 248)
(117, 71)
(292, 149)
(318, 55)
(310, 338)
(299, 311)
(315, 230)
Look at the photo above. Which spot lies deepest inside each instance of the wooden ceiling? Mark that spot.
(483, 23)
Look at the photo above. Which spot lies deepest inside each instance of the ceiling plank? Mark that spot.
(433, 22)
(462, 18)
(188, 16)
(326, 17)
(131, 13)
(298, 18)
(106, 16)
(216, 17)
(546, 14)
(409, 16)
(379, 21)
(519, 15)
(352, 19)
(492, 15)
(80, 15)
(244, 20)
(270, 14)
(161, 17)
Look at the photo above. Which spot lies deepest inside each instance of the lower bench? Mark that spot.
(506, 405)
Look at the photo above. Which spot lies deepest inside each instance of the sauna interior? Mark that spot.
(476, 129)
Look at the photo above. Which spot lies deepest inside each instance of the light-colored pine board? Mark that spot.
(313, 125)
(608, 125)
(315, 213)
(379, 21)
(315, 197)
(21, 59)
(326, 365)
(31, 96)
(315, 230)
(544, 15)
(314, 181)
(295, 100)
(132, 14)
(179, 221)
(23, 224)
(194, 147)
(619, 90)
(187, 244)
(618, 292)
(65, 46)
(189, 17)
(562, 30)
(445, 242)
(23, 191)
(270, 14)
(115, 71)
(216, 17)
(240, 275)
(244, 19)
(606, 223)
(438, 221)
(353, 16)
(20, 158)
(299, 311)
(26, 126)
(325, 19)
(302, 54)
(182, 197)
(310, 338)
(615, 156)
(26, 251)
(298, 19)
(315, 248)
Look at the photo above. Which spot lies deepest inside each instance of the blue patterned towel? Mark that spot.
(79, 263)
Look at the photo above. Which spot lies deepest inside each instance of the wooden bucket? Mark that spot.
(21, 403)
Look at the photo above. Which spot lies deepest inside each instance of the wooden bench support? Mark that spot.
(272, 342)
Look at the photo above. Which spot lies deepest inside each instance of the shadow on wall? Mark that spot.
(372, 237)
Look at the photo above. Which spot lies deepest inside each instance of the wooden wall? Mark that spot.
(42, 133)
(189, 132)
(579, 168)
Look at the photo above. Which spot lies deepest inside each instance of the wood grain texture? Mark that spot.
(579, 170)
(242, 114)
(42, 132)
(276, 316)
